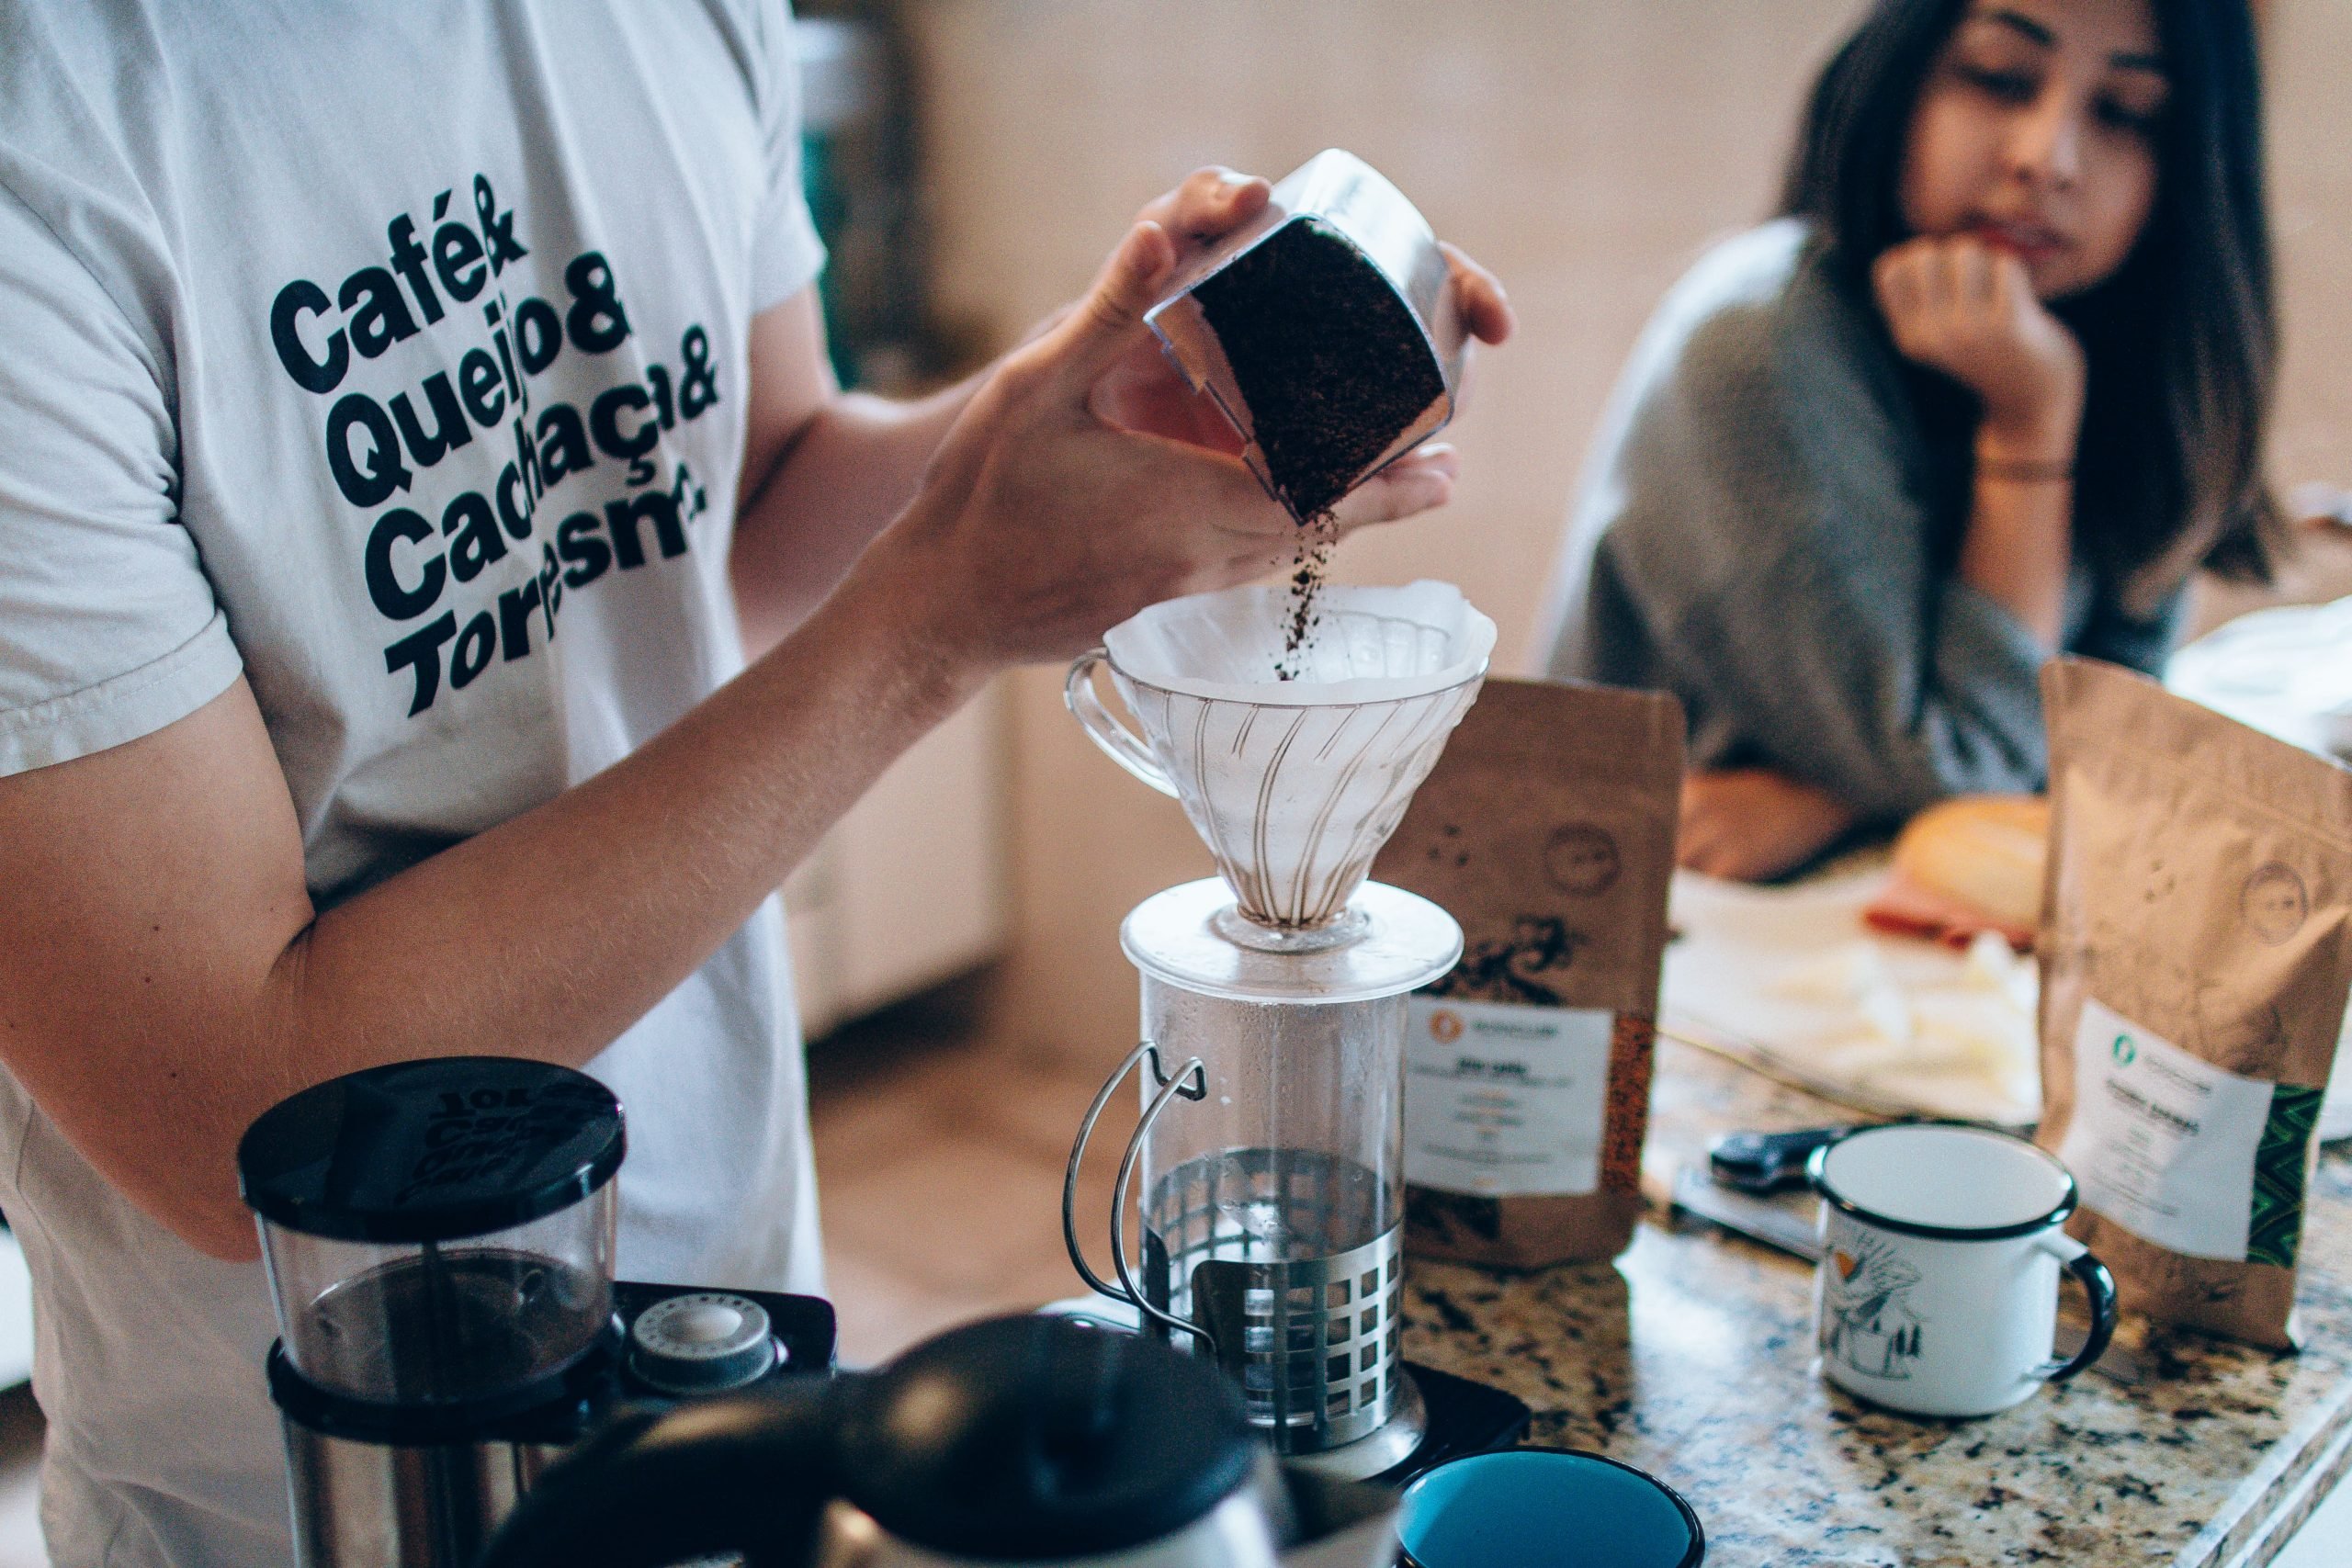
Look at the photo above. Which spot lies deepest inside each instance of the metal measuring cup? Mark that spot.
(1342, 197)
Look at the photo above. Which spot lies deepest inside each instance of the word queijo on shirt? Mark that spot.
(375, 449)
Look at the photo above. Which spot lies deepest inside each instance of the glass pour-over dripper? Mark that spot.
(1293, 784)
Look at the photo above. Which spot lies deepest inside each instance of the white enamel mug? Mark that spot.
(1940, 1256)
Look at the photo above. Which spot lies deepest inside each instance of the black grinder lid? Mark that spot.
(431, 1151)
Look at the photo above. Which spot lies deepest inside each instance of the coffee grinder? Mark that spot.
(438, 1238)
(1269, 1155)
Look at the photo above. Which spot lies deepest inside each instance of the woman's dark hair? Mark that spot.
(2181, 342)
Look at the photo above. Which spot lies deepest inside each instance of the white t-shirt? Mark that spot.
(392, 354)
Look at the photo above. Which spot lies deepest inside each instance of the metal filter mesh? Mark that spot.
(1280, 1254)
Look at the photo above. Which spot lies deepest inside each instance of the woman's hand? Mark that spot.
(1748, 824)
(1964, 306)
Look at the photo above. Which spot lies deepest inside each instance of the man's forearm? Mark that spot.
(547, 936)
(853, 467)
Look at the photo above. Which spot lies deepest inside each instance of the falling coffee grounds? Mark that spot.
(1308, 563)
(1334, 369)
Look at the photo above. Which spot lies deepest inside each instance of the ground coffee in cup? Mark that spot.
(1547, 830)
(1332, 361)
(1329, 334)
(2196, 956)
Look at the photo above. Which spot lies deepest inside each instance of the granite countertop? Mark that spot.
(1689, 1357)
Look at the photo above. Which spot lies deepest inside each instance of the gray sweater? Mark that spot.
(1765, 532)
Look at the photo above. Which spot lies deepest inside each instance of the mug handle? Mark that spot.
(1118, 742)
(2099, 1285)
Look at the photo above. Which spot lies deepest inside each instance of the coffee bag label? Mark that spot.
(2166, 1144)
(1504, 1101)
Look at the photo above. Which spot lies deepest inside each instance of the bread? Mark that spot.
(1983, 850)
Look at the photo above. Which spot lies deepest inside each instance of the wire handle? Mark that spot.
(1190, 1081)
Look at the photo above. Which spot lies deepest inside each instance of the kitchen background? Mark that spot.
(1585, 151)
(972, 159)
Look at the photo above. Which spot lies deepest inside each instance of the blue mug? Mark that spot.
(1546, 1508)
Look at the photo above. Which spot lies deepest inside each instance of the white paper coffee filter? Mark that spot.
(1294, 784)
(1367, 645)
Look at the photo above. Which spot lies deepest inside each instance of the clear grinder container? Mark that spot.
(1270, 1175)
(438, 1233)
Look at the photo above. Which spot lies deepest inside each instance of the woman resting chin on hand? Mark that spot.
(1988, 390)
(1962, 304)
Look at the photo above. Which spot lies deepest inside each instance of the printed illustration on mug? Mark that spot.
(1867, 1321)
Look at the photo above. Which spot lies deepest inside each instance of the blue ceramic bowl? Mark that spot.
(1546, 1508)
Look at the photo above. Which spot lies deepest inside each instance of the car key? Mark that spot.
(1767, 1162)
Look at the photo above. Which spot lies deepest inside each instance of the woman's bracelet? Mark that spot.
(2024, 471)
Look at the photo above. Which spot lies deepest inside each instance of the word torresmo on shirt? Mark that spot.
(380, 444)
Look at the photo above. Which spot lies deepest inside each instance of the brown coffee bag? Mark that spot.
(1547, 830)
(2196, 956)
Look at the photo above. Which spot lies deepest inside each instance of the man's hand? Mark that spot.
(1749, 824)
(1042, 522)
(824, 472)
(1143, 393)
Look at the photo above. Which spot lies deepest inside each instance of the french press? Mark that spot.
(1268, 1160)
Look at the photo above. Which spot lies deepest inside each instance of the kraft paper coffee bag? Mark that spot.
(1547, 830)
(2196, 956)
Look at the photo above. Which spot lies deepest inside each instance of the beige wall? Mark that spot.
(1584, 149)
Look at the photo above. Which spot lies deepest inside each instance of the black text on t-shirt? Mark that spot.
(375, 450)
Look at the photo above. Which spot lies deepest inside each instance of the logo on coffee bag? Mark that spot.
(2274, 902)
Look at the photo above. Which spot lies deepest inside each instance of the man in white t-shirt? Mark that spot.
(395, 407)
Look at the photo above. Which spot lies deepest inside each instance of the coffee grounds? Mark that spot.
(1331, 360)
(1308, 565)
(1334, 369)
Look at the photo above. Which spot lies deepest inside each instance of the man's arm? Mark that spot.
(163, 977)
(824, 470)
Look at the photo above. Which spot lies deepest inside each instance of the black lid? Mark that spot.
(431, 1151)
(1024, 1437)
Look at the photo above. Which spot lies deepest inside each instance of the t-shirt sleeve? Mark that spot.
(1770, 537)
(786, 255)
(108, 629)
